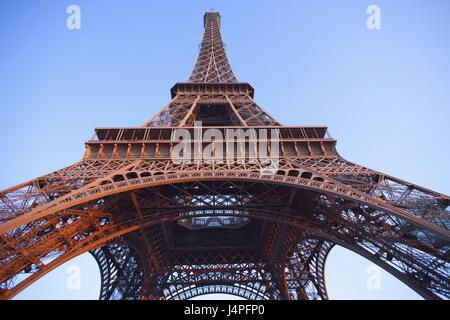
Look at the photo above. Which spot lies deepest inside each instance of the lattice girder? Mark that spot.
(212, 63)
(163, 229)
(368, 219)
(145, 173)
(183, 110)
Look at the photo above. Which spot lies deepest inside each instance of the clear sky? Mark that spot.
(384, 94)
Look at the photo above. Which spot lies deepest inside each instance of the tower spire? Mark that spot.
(227, 102)
(212, 64)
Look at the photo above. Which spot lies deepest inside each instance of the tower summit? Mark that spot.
(165, 229)
(212, 63)
(212, 94)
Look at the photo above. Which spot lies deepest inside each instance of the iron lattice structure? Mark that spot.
(165, 230)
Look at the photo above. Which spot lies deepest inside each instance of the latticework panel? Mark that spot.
(373, 233)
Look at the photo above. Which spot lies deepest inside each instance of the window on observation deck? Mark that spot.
(231, 222)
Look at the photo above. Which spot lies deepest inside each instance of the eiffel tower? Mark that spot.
(165, 229)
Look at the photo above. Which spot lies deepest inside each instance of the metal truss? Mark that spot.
(212, 63)
(238, 110)
(161, 229)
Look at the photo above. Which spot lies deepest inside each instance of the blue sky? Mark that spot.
(384, 94)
